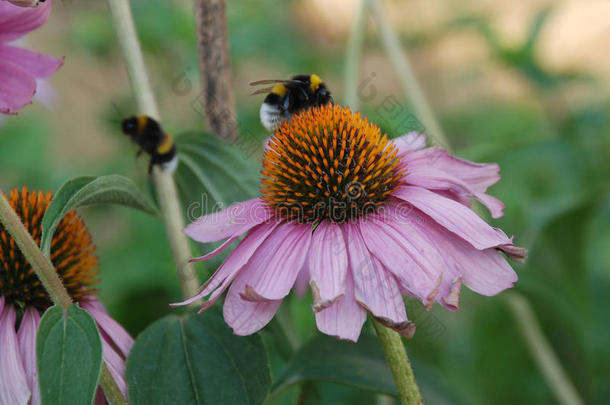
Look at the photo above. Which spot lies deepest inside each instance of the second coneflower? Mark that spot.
(362, 220)
(23, 299)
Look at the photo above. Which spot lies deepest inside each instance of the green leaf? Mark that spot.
(89, 190)
(68, 356)
(324, 358)
(213, 174)
(196, 359)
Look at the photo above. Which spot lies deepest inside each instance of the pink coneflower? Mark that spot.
(362, 220)
(19, 68)
(23, 299)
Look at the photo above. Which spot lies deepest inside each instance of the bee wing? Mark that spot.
(272, 81)
(259, 91)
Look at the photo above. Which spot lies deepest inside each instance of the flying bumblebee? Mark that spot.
(150, 137)
(287, 97)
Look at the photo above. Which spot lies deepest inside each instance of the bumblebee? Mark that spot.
(287, 97)
(150, 137)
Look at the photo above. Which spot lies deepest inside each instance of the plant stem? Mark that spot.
(215, 68)
(352, 57)
(399, 364)
(42, 265)
(165, 186)
(50, 280)
(402, 66)
(541, 350)
(172, 217)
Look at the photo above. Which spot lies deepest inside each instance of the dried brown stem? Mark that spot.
(215, 68)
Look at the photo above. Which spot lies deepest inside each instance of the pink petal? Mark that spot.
(247, 317)
(16, 21)
(16, 87)
(115, 332)
(216, 251)
(327, 264)
(483, 271)
(344, 318)
(232, 221)
(410, 142)
(13, 380)
(436, 169)
(434, 179)
(34, 63)
(478, 176)
(232, 265)
(407, 254)
(273, 269)
(376, 288)
(454, 217)
(27, 348)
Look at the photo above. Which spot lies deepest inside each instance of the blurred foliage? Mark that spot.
(555, 185)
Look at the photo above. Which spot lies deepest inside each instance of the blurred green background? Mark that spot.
(524, 84)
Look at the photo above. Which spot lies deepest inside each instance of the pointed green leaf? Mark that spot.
(196, 359)
(89, 190)
(68, 356)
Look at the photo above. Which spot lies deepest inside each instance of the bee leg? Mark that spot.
(139, 153)
(150, 167)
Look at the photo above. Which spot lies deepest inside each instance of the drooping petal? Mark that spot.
(345, 317)
(454, 217)
(409, 256)
(227, 272)
(13, 380)
(376, 288)
(484, 271)
(16, 21)
(436, 169)
(272, 271)
(243, 316)
(35, 64)
(327, 264)
(234, 220)
(16, 87)
(27, 348)
(115, 332)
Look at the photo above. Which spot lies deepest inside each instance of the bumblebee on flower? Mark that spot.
(360, 219)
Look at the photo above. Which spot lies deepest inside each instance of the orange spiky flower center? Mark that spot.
(328, 163)
(72, 254)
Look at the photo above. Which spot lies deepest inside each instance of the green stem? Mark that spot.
(352, 57)
(399, 364)
(50, 280)
(402, 66)
(541, 350)
(42, 265)
(165, 186)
